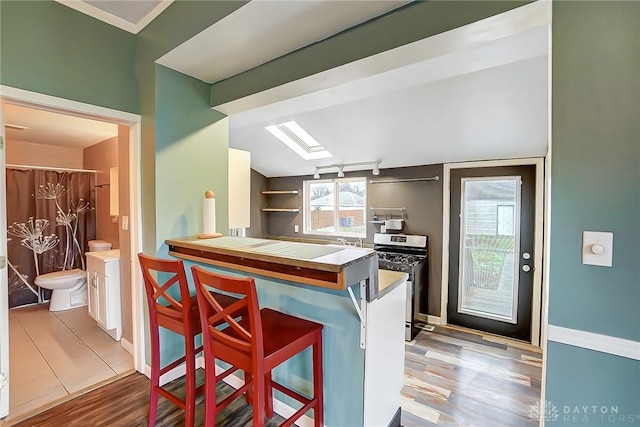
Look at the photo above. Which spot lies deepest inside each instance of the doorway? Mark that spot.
(129, 125)
(492, 247)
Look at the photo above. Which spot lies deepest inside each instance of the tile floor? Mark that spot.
(54, 355)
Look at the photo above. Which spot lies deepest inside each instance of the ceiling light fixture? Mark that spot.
(341, 166)
(299, 140)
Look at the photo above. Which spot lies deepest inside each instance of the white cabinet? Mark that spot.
(103, 280)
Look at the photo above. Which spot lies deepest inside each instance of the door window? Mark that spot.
(490, 215)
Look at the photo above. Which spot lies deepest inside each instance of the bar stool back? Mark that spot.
(180, 316)
(255, 341)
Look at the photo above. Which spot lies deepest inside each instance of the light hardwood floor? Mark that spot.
(452, 378)
(56, 355)
(456, 377)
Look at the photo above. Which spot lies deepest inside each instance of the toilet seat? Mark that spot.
(50, 280)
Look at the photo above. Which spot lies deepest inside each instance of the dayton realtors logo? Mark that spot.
(581, 414)
(544, 410)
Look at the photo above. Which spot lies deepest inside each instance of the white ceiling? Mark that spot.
(44, 127)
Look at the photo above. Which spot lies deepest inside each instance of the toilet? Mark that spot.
(69, 287)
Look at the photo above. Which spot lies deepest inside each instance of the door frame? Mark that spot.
(538, 162)
(25, 98)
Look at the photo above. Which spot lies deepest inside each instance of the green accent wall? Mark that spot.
(191, 156)
(49, 48)
(413, 22)
(579, 379)
(178, 23)
(595, 175)
(595, 186)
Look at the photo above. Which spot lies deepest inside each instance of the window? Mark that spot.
(336, 207)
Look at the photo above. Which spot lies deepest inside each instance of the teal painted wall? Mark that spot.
(582, 378)
(191, 148)
(49, 48)
(191, 156)
(595, 177)
(595, 185)
(178, 23)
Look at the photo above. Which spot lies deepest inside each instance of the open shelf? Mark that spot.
(281, 192)
(280, 210)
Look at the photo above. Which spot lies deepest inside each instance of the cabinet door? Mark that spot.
(92, 294)
(102, 287)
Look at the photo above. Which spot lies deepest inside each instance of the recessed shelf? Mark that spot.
(281, 192)
(280, 210)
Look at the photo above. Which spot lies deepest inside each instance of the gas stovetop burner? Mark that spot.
(396, 258)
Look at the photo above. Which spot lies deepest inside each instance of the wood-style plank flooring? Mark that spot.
(125, 403)
(452, 378)
(456, 377)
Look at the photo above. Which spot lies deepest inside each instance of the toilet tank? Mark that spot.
(99, 245)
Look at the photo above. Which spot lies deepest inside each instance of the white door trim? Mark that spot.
(538, 162)
(27, 98)
(4, 284)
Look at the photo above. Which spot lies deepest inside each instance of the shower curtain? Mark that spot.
(50, 219)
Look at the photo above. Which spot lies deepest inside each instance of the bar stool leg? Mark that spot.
(190, 398)
(318, 412)
(209, 395)
(258, 400)
(268, 407)
(155, 376)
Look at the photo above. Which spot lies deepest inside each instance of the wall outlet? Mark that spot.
(296, 228)
(125, 222)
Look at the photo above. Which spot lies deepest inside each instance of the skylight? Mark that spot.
(296, 138)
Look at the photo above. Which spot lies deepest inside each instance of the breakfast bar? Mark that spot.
(362, 310)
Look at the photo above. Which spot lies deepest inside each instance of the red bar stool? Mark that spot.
(255, 343)
(180, 316)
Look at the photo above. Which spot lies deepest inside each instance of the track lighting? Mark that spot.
(341, 166)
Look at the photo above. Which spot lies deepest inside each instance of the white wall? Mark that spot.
(28, 153)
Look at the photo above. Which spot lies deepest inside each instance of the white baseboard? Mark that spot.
(434, 320)
(127, 346)
(279, 407)
(175, 373)
(589, 340)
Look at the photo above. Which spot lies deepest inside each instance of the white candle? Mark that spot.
(209, 213)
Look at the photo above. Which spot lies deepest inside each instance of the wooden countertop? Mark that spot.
(328, 266)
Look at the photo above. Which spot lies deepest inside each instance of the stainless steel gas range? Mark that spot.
(407, 254)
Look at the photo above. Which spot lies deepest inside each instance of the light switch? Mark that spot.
(125, 223)
(597, 248)
(296, 229)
